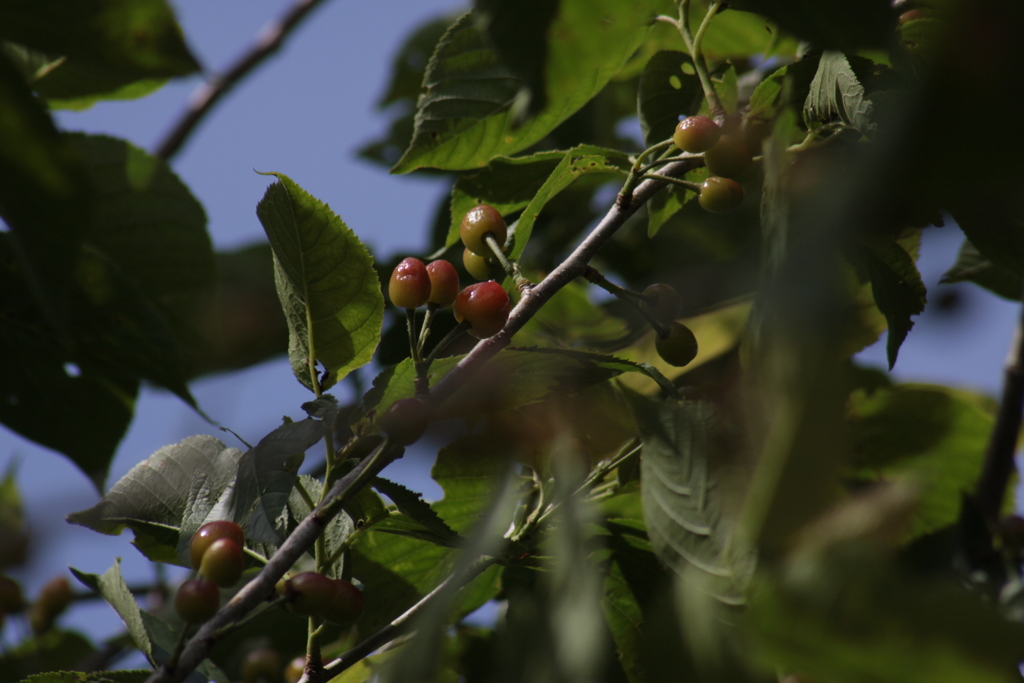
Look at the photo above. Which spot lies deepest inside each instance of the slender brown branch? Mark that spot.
(573, 267)
(262, 586)
(206, 95)
(999, 464)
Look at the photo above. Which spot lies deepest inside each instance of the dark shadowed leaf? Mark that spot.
(971, 266)
(266, 475)
(897, 288)
(13, 532)
(155, 496)
(326, 282)
(839, 25)
(935, 434)
(112, 588)
(682, 505)
(119, 676)
(465, 115)
(139, 38)
(412, 505)
(669, 91)
(55, 649)
(836, 94)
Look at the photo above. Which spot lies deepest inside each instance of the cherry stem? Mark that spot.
(423, 366)
(410, 324)
(693, 46)
(685, 156)
(694, 187)
(511, 269)
(630, 297)
(425, 330)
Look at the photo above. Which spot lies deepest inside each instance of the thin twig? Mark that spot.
(262, 586)
(206, 95)
(999, 465)
(573, 267)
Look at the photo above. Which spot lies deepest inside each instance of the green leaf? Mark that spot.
(121, 676)
(367, 507)
(43, 194)
(669, 90)
(138, 38)
(465, 114)
(54, 649)
(518, 31)
(165, 638)
(13, 533)
(897, 288)
(160, 492)
(413, 506)
(398, 570)
(670, 201)
(836, 94)
(682, 505)
(326, 281)
(848, 618)
(736, 35)
(935, 434)
(971, 266)
(838, 25)
(266, 475)
(510, 183)
(538, 372)
(114, 590)
(996, 233)
(788, 86)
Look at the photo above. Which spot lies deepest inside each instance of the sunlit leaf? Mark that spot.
(326, 281)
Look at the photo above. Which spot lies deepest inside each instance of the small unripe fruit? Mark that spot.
(53, 599)
(486, 306)
(405, 420)
(678, 347)
(197, 600)
(223, 562)
(410, 284)
(293, 672)
(696, 134)
(310, 593)
(347, 604)
(662, 303)
(12, 601)
(477, 266)
(262, 665)
(210, 532)
(730, 157)
(720, 195)
(479, 221)
(444, 283)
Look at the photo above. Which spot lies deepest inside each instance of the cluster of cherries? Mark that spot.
(217, 553)
(727, 155)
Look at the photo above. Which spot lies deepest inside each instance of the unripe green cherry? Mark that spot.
(347, 604)
(696, 134)
(444, 283)
(477, 266)
(12, 601)
(405, 420)
(223, 562)
(197, 600)
(662, 303)
(479, 221)
(309, 593)
(262, 665)
(720, 195)
(53, 599)
(410, 284)
(210, 532)
(730, 156)
(678, 347)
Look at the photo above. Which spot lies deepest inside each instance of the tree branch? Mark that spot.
(206, 95)
(573, 267)
(262, 586)
(999, 463)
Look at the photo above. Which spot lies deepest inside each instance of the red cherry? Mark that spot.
(210, 532)
(405, 420)
(310, 593)
(696, 134)
(486, 306)
(729, 157)
(410, 284)
(347, 604)
(478, 222)
(444, 283)
(262, 665)
(197, 600)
